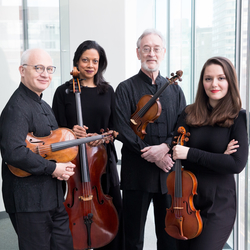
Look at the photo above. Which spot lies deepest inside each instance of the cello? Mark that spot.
(182, 220)
(148, 109)
(93, 219)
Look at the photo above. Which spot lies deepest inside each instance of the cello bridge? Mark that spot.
(89, 198)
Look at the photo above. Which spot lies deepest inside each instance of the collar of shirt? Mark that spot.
(30, 93)
(148, 80)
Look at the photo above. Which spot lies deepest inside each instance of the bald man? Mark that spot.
(34, 203)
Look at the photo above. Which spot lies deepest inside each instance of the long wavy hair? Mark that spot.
(200, 113)
(99, 80)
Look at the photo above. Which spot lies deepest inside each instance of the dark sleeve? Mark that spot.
(14, 130)
(58, 107)
(224, 163)
(111, 118)
(122, 120)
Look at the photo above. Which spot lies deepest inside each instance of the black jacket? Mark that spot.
(27, 112)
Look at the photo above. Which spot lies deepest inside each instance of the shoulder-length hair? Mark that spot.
(200, 113)
(99, 80)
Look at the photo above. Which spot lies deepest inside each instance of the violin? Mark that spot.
(59, 146)
(93, 219)
(182, 220)
(149, 108)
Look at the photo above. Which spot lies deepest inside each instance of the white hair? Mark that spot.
(148, 32)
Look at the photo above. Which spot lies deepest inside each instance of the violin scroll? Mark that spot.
(183, 137)
(176, 77)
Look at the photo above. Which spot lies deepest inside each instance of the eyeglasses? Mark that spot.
(147, 50)
(40, 68)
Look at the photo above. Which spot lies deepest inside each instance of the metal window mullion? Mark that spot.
(237, 67)
(192, 49)
(25, 25)
(248, 128)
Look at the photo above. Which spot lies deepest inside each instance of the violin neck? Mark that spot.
(76, 142)
(178, 179)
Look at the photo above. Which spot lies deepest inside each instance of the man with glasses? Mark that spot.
(145, 163)
(34, 203)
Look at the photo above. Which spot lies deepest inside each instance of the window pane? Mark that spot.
(44, 32)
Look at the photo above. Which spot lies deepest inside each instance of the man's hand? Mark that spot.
(155, 153)
(165, 163)
(63, 171)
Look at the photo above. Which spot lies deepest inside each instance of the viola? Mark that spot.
(182, 220)
(149, 108)
(93, 219)
(59, 146)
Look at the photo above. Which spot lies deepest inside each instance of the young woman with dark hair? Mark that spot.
(217, 149)
(97, 103)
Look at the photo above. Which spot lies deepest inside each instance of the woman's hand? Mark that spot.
(231, 147)
(79, 131)
(180, 152)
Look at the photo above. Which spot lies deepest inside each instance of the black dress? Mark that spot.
(215, 171)
(97, 112)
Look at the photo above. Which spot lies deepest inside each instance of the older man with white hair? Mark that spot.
(146, 162)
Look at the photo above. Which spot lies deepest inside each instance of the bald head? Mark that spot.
(33, 61)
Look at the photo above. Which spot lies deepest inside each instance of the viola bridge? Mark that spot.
(178, 208)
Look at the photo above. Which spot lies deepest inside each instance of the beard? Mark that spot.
(145, 67)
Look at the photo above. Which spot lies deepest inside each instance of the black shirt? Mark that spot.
(136, 172)
(26, 112)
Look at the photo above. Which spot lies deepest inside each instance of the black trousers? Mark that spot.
(135, 208)
(43, 230)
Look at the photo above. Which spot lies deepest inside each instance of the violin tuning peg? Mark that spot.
(188, 134)
(186, 139)
(180, 79)
(101, 130)
(172, 74)
(174, 142)
(107, 129)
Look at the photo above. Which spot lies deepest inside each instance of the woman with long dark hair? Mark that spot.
(217, 149)
(97, 99)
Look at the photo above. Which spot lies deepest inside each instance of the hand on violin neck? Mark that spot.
(166, 163)
(154, 153)
(180, 152)
(80, 132)
(96, 142)
(63, 171)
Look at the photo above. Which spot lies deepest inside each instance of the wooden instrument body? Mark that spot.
(139, 123)
(104, 224)
(42, 146)
(149, 108)
(93, 218)
(182, 220)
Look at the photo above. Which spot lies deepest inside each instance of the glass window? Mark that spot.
(43, 31)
